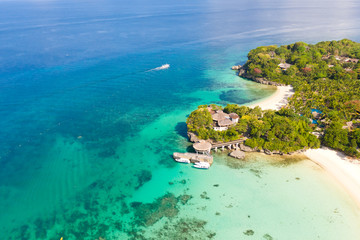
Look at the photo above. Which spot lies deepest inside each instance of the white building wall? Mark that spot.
(220, 128)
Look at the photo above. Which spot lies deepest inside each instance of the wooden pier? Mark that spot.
(194, 157)
(229, 145)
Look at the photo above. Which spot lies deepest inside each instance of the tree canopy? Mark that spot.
(282, 131)
(325, 77)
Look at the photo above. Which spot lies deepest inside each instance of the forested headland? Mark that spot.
(326, 80)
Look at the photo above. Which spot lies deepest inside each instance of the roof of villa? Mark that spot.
(225, 122)
(233, 115)
(284, 65)
(202, 145)
(219, 115)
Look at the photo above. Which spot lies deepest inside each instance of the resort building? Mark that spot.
(222, 121)
(284, 66)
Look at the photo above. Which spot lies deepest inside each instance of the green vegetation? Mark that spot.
(325, 76)
(282, 131)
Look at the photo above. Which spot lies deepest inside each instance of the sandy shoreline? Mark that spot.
(275, 101)
(347, 173)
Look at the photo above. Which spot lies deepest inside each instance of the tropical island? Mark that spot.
(325, 108)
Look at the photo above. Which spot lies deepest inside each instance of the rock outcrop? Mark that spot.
(192, 137)
(246, 148)
(238, 67)
(243, 73)
(237, 154)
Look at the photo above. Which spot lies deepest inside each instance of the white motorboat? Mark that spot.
(182, 160)
(202, 165)
(165, 66)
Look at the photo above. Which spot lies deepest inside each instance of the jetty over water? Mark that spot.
(203, 149)
(229, 145)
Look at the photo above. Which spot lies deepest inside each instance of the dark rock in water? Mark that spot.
(268, 237)
(185, 228)
(256, 172)
(135, 204)
(107, 153)
(143, 177)
(237, 154)
(204, 195)
(183, 181)
(185, 198)
(249, 232)
(216, 185)
(148, 214)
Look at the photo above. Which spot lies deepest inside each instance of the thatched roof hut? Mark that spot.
(219, 115)
(202, 146)
(225, 122)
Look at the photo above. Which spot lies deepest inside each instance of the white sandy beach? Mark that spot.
(345, 171)
(277, 100)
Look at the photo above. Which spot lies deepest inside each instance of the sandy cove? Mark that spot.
(275, 101)
(341, 167)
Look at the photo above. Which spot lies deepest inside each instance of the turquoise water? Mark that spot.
(88, 127)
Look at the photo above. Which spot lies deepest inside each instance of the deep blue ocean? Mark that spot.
(88, 126)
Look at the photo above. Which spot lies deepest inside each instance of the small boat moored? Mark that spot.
(204, 165)
(182, 160)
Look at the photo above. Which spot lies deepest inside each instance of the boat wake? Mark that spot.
(162, 67)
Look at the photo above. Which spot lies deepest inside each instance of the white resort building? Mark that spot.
(222, 121)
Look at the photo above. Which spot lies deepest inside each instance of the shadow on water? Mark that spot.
(181, 129)
(190, 149)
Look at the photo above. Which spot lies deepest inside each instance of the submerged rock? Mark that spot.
(185, 228)
(143, 177)
(147, 214)
(249, 232)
